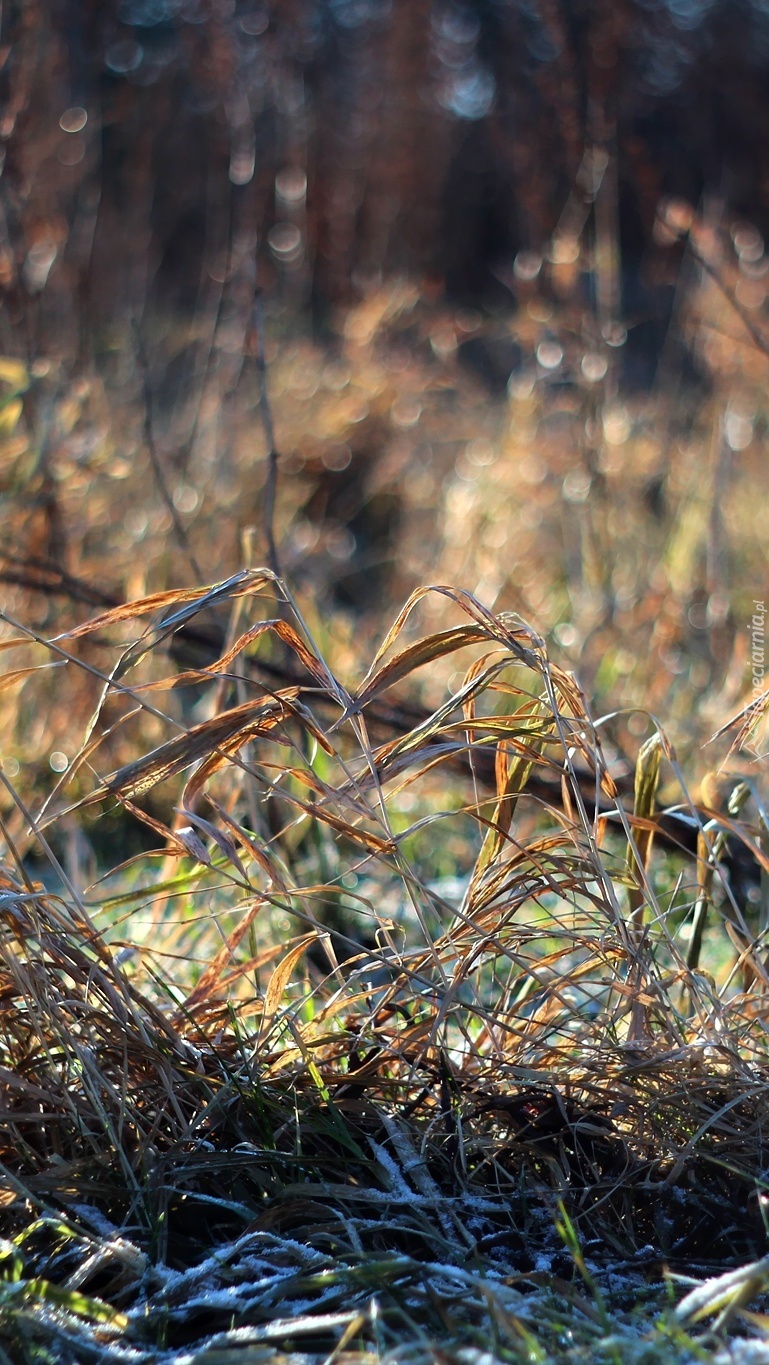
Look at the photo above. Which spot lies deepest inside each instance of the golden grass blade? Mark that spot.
(9, 680)
(372, 843)
(512, 770)
(423, 652)
(647, 774)
(263, 857)
(211, 976)
(194, 600)
(278, 627)
(281, 976)
(16, 642)
(505, 628)
(226, 732)
(223, 841)
(400, 621)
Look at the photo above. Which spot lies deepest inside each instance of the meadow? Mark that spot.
(384, 884)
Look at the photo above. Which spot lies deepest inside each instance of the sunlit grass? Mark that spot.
(381, 1009)
(405, 1016)
(622, 523)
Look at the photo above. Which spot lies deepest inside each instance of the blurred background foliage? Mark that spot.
(511, 278)
(381, 294)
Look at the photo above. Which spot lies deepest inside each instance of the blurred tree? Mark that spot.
(335, 140)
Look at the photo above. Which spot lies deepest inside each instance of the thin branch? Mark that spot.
(149, 439)
(47, 577)
(756, 336)
(270, 490)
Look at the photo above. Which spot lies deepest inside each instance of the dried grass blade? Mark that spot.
(400, 621)
(238, 724)
(263, 859)
(280, 977)
(308, 658)
(10, 679)
(373, 843)
(415, 656)
(142, 606)
(512, 775)
(647, 774)
(16, 641)
(208, 981)
(223, 841)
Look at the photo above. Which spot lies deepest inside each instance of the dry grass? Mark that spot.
(622, 522)
(415, 1011)
(380, 1052)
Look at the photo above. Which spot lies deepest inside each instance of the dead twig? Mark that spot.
(157, 469)
(260, 360)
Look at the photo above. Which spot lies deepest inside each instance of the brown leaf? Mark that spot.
(222, 840)
(280, 977)
(226, 732)
(194, 600)
(18, 674)
(210, 977)
(261, 856)
(193, 845)
(422, 652)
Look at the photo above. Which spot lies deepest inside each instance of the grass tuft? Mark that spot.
(391, 1042)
